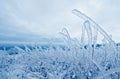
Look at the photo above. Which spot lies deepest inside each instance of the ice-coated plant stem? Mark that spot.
(94, 24)
(89, 34)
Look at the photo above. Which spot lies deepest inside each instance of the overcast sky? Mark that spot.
(45, 18)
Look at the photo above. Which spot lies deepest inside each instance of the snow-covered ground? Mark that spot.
(58, 62)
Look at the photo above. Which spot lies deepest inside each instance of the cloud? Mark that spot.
(48, 17)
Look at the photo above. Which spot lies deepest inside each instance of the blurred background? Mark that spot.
(42, 20)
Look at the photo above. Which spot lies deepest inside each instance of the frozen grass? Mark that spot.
(74, 61)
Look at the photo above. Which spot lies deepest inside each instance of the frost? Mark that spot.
(94, 24)
(73, 60)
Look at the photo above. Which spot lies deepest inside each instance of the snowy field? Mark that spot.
(73, 59)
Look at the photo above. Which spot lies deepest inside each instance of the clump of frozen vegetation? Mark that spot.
(75, 60)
